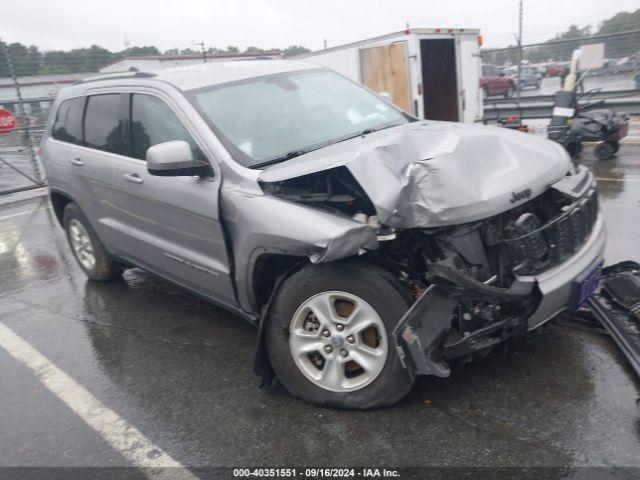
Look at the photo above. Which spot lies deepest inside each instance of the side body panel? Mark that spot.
(168, 225)
(260, 224)
(469, 71)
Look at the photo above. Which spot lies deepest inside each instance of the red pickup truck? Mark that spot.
(494, 82)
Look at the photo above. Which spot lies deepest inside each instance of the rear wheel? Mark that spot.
(91, 255)
(603, 151)
(330, 339)
(615, 145)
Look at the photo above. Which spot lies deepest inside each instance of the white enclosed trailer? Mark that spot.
(431, 73)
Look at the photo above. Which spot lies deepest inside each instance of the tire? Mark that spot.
(85, 245)
(615, 145)
(574, 149)
(603, 151)
(377, 291)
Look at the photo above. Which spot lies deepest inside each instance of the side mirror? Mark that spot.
(501, 74)
(386, 96)
(174, 159)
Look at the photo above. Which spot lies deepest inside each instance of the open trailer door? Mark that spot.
(384, 69)
(439, 79)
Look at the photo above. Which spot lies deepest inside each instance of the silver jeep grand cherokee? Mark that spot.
(368, 246)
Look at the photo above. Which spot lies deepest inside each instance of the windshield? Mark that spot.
(273, 118)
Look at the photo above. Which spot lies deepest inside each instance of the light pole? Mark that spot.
(518, 84)
(204, 54)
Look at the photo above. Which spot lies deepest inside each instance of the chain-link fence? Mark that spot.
(609, 72)
(22, 120)
(30, 80)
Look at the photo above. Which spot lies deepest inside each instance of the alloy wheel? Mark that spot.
(338, 341)
(81, 244)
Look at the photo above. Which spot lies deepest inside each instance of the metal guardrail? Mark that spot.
(541, 106)
(602, 95)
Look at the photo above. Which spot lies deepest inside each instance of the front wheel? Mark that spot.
(603, 151)
(330, 339)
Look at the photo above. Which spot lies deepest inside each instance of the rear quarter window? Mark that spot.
(102, 124)
(67, 126)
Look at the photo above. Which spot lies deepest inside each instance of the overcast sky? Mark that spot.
(64, 24)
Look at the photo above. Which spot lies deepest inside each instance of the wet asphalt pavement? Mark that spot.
(180, 371)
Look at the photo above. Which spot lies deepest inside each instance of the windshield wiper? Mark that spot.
(367, 132)
(287, 156)
(297, 153)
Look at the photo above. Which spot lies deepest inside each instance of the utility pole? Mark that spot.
(204, 54)
(519, 53)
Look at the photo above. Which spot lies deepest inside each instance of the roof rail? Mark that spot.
(115, 76)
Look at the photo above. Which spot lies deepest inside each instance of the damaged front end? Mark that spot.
(486, 261)
(474, 283)
(482, 285)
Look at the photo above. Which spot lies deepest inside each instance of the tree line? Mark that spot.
(615, 47)
(29, 60)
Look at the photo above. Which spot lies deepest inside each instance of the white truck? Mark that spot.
(432, 73)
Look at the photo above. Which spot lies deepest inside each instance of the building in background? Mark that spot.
(153, 63)
(37, 91)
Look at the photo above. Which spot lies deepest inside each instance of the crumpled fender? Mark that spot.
(259, 224)
(430, 174)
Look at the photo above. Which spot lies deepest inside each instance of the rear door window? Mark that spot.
(102, 124)
(67, 126)
(153, 122)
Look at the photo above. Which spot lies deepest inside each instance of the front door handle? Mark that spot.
(133, 178)
(77, 162)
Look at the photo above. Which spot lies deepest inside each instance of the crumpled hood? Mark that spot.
(428, 174)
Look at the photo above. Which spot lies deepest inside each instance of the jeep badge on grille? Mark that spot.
(517, 196)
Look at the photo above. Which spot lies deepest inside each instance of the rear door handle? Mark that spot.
(77, 162)
(133, 178)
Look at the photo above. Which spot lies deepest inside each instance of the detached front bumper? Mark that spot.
(555, 285)
(418, 333)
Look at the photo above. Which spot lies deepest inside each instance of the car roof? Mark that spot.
(197, 76)
(215, 73)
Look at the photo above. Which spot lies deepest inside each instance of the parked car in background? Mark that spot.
(556, 70)
(495, 82)
(529, 77)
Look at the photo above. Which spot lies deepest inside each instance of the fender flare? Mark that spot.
(261, 364)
